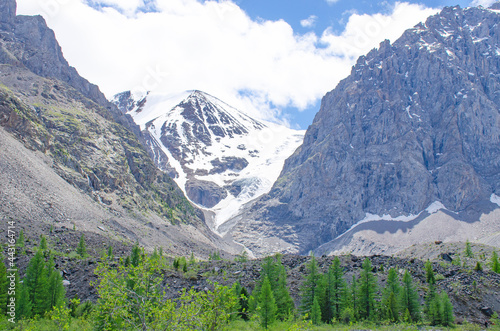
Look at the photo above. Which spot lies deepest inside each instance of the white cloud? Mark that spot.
(364, 32)
(309, 22)
(212, 46)
(484, 3)
(331, 2)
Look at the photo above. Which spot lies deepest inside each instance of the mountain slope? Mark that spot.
(82, 168)
(218, 155)
(416, 122)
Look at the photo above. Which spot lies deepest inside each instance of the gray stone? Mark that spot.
(415, 122)
(7, 14)
(207, 194)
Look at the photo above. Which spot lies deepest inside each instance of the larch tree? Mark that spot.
(495, 264)
(82, 248)
(267, 305)
(334, 292)
(36, 281)
(409, 299)
(367, 291)
(310, 286)
(390, 297)
(55, 288)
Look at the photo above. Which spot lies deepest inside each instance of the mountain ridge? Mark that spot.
(416, 122)
(92, 173)
(220, 157)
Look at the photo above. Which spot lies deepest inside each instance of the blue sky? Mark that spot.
(326, 15)
(273, 59)
(332, 14)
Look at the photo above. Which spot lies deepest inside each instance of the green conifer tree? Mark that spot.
(241, 293)
(478, 266)
(367, 291)
(409, 299)
(192, 260)
(56, 291)
(43, 242)
(325, 296)
(309, 290)
(431, 307)
(20, 240)
(429, 273)
(176, 263)
(273, 269)
(236, 288)
(447, 318)
(82, 248)
(127, 261)
(284, 301)
(36, 281)
(435, 311)
(135, 255)
(333, 300)
(244, 303)
(315, 312)
(495, 264)
(24, 307)
(468, 250)
(352, 300)
(110, 252)
(4, 285)
(390, 294)
(269, 269)
(267, 305)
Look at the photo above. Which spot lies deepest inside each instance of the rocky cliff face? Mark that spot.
(7, 14)
(221, 157)
(77, 165)
(415, 122)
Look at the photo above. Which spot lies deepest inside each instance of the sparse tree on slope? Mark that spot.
(267, 304)
(447, 318)
(20, 239)
(495, 264)
(43, 242)
(82, 248)
(409, 299)
(4, 285)
(55, 289)
(334, 293)
(390, 297)
(468, 250)
(24, 307)
(310, 286)
(367, 291)
(36, 281)
(315, 312)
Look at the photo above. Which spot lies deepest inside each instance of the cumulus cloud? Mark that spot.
(257, 66)
(331, 2)
(364, 32)
(309, 22)
(484, 3)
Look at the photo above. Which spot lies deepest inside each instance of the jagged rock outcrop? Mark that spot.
(68, 158)
(415, 122)
(7, 14)
(220, 156)
(204, 193)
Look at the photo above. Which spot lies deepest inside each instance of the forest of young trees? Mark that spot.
(132, 296)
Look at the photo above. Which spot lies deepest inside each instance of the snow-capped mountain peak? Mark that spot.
(221, 157)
